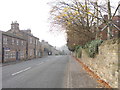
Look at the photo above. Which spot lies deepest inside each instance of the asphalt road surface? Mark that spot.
(47, 72)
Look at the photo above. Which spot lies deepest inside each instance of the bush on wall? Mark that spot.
(91, 48)
(78, 51)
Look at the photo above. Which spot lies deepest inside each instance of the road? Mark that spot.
(47, 72)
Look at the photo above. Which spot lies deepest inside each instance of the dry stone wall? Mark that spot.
(105, 64)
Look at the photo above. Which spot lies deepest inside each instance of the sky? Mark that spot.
(32, 14)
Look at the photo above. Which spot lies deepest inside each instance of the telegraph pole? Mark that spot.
(97, 21)
(109, 21)
(86, 7)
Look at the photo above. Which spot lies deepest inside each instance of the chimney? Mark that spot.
(28, 31)
(14, 26)
(43, 41)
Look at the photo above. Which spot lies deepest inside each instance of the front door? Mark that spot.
(3, 55)
(17, 55)
(34, 53)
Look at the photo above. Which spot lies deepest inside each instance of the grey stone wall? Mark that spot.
(0, 46)
(15, 50)
(105, 64)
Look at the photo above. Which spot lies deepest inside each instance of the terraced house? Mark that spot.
(13, 47)
(0, 46)
(32, 47)
(16, 44)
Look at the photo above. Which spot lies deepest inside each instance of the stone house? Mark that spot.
(13, 47)
(0, 46)
(32, 46)
(54, 51)
(16, 44)
(45, 48)
(32, 41)
(48, 49)
(39, 49)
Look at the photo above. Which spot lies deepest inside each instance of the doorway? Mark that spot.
(3, 55)
(17, 55)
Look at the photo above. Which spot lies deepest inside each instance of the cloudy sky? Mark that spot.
(32, 14)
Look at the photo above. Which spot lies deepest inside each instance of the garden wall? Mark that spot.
(105, 64)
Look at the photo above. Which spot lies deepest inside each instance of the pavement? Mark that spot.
(48, 72)
(78, 77)
(18, 61)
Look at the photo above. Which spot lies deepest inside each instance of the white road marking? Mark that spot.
(69, 77)
(21, 71)
(68, 80)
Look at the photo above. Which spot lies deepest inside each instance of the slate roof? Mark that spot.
(12, 35)
(28, 34)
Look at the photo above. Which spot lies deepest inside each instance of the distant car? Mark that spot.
(49, 53)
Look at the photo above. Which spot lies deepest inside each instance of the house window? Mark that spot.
(36, 52)
(6, 54)
(33, 41)
(22, 54)
(13, 27)
(5, 40)
(14, 54)
(11, 55)
(17, 41)
(31, 52)
(36, 42)
(13, 40)
(22, 42)
(30, 40)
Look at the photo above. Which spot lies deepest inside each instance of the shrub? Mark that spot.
(91, 48)
(78, 51)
